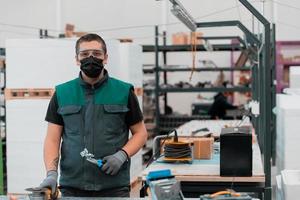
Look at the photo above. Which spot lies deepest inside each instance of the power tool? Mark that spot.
(163, 186)
(38, 193)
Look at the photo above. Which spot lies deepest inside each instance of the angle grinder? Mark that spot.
(38, 193)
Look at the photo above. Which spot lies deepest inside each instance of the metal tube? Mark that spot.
(156, 69)
(273, 116)
(165, 73)
(257, 14)
(156, 146)
(181, 13)
(265, 104)
(250, 36)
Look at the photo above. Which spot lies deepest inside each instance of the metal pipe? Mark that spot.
(181, 13)
(156, 145)
(250, 36)
(265, 95)
(165, 73)
(156, 69)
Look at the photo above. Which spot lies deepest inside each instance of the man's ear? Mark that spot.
(105, 59)
(77, 60)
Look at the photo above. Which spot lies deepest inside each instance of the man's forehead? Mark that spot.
(90, 49)
(89, 44)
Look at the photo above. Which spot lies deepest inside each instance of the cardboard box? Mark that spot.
(203, 148)
(79, 34)
(69, 30)
(180, 38)
(2, 63)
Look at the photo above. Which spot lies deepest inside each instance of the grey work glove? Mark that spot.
(113, 163)
(50, 181)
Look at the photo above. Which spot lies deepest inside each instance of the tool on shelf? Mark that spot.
(226, 195)
(163, 185)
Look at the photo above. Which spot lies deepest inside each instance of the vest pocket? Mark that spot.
(115, 108)
(114, 116)
(72, 118)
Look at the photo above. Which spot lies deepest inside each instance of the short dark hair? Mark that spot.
(88, 38)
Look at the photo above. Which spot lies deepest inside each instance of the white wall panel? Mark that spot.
(287, 142)
(26, 130)
(23, 19)
(295, 77)
(131, 63)
(286, 15)
(36, 63)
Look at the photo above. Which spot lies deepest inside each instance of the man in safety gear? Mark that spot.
(89, 119)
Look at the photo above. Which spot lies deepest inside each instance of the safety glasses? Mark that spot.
(97, 53)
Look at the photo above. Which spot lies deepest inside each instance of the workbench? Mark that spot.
(214, 126)
(203, 176)
(86, 198)
(77, 198)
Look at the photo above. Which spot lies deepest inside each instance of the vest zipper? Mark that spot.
(85, 146)
(93, 128)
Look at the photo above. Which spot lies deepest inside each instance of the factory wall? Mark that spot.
(111, 19)
(286, 14)
(98, 16)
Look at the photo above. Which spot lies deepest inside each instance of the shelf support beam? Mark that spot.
(265, 96)
(252, 39)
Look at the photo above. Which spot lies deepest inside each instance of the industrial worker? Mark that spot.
(93, 112)
(218, 109)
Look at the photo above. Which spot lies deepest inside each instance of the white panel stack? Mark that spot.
(26, 131)
(278, 193)
(290, 182)
(39, 63)
(114, 60)
(125, 63)
(32, 63)
(288, 137)
(295, 77)
(131, 65)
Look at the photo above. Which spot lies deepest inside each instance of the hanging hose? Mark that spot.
(194, 48)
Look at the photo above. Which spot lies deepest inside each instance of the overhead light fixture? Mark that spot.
(180, 12)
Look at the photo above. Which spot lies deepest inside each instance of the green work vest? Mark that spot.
(97, 124)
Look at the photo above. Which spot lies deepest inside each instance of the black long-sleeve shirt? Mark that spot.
(219, 107)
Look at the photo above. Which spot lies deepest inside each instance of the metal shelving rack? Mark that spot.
(164, 49)
(212, 89)
(263, 76)
(176, 48)
(171, 69)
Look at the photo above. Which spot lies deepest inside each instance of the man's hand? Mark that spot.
(50, 181)
(113, 163)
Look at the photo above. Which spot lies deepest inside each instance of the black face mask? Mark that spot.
(91, 66)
